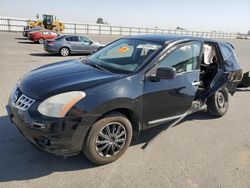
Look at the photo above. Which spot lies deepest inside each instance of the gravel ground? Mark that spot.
(199, 152)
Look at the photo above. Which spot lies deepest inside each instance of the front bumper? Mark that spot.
(51, 49)
(64, 136)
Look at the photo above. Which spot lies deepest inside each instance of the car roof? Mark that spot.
(68, 35)
(160, 38)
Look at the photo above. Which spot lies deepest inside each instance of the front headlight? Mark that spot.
(59, 105)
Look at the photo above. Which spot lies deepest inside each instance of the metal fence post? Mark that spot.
(75, 28)
(87, 28)
(14, 24)
(8, 22)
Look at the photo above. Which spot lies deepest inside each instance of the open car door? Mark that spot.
(228, 72)
(232, 67)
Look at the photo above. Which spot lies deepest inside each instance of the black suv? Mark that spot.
(98, 104)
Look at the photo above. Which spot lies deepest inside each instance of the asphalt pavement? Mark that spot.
(199, 152)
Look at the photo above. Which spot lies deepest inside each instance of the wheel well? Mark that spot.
(40, 38)
(64, 47)
(132, 117)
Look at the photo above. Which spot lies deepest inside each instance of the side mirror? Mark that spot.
(166, 73)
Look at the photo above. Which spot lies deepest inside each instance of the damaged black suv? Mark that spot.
(97, 105)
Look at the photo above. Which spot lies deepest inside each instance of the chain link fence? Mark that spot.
(17, 24)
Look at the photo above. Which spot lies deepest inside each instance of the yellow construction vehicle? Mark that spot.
(48, 22)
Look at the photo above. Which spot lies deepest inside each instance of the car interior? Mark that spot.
(209, 68)
(131, 60)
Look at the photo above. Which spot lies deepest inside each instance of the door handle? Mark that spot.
(196, 83)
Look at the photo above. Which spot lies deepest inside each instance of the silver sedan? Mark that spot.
(71, 44)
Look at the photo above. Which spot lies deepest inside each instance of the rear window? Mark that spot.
(45, 32)
(72, 39)
(52, 33)
(60, 38)
(226, 51)
(229, 56)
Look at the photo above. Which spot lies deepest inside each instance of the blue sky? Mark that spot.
(218, 15)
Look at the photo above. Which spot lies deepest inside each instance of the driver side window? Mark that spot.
(184, 58)
(85, 40)
(72, 39)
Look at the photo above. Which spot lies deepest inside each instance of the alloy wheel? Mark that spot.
(41, 41)
(220, 99)
(64, 51)
(111, 139)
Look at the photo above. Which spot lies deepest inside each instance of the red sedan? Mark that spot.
(41, 36)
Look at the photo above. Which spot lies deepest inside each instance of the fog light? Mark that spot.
(43, 142)
(40, 126)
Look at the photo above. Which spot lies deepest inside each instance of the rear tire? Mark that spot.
(41, 40)
(108, 139)
(217, 104)
(64, 51)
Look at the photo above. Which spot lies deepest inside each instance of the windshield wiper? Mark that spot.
(95, 65)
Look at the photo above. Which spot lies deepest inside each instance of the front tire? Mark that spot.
(64, 51)
(41, 41)
(217, 104)
(108, 139)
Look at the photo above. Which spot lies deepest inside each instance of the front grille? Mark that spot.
(21, 102)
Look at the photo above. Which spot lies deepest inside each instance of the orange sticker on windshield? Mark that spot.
(123, 49)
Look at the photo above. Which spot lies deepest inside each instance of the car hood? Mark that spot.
(71, 75)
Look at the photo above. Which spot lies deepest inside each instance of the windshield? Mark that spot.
(124, 56)
(59, 37)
